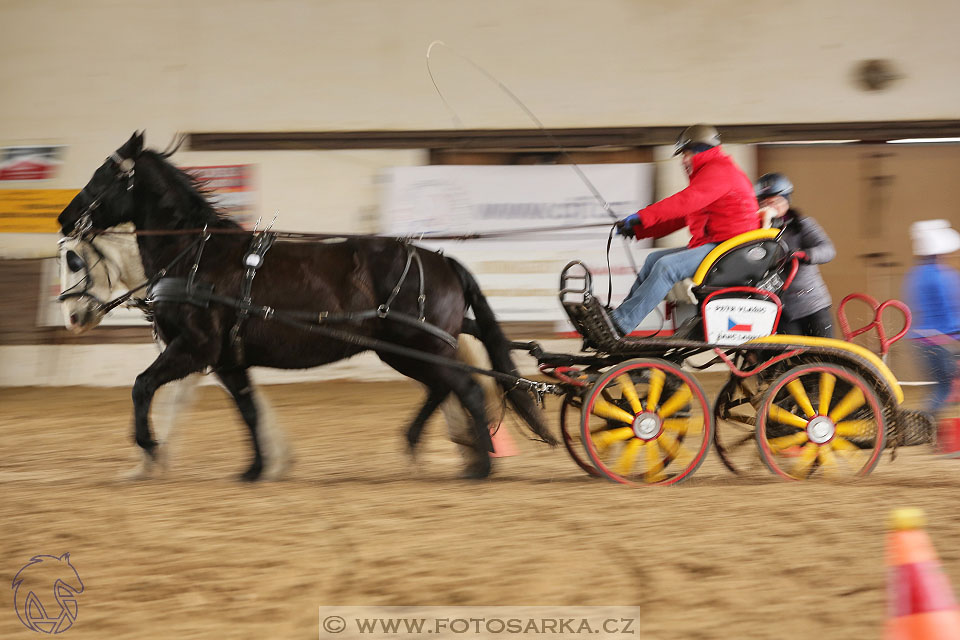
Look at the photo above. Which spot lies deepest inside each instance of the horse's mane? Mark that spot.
(194, 207)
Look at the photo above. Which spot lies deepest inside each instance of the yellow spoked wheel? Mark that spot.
(646, 421)
(820, 420)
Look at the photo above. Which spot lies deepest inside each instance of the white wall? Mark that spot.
(104, 67)
(86, 74)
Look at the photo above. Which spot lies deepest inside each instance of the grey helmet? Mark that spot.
(773, 184)
(698, 135)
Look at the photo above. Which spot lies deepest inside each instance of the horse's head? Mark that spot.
(94, 270)
(161, 197)
(107, 199)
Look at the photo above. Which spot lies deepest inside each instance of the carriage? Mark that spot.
(632, 409)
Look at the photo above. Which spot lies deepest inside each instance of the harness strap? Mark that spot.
(412, 256)
(385, 307)
(154, 279)
(204, 236)
(356, 317)
(539, 388)
(253, 259)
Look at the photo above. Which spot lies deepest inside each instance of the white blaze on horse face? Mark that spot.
(100, 276)
(79, 312)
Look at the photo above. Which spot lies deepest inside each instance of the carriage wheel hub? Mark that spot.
(647, 425)
(821, 430)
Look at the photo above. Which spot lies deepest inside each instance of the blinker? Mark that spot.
(74, 261)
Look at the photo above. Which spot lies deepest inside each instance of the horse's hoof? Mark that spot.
(477, 470)
(253, 473)
(277, 469)
(143, 471)
(413, 451)
(149, 446)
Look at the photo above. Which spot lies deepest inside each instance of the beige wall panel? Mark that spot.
(866, 197)
(97, 69)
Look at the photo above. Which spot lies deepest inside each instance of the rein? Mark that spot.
(106, 307)
(297, 235)
(172, 290)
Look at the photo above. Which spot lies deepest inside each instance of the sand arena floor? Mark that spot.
(198, 554)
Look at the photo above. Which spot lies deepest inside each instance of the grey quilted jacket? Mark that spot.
(809, 292)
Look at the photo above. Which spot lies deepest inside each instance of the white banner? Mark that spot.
(520, 273)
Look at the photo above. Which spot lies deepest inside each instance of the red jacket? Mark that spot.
(717, 205)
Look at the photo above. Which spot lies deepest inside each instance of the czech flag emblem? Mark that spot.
(732, 325)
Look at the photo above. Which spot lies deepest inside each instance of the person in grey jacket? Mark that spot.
(807, 303)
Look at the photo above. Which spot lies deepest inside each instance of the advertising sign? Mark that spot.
(30, 163)
(231, 187)
(519, 267)
(32, 210)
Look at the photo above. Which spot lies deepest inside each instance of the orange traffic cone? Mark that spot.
(919, 599)
(503, 446)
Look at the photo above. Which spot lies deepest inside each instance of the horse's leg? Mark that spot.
(460, 430)
(470, 394)
(459, 423)
(237, 383)
(467, 391)
(435, 396)
(180, 397)
(273, 441)
(172, 403)
(177, 361)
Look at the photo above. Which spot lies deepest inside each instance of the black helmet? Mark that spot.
(773, 184)
(698, 137)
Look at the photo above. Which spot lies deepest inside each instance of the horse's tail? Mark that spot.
(488, 330)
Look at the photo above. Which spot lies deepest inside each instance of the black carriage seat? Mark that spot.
(745, 260)
(752, 259)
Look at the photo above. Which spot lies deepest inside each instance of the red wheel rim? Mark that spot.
(573, 445)
(656, 426)
(820, 419)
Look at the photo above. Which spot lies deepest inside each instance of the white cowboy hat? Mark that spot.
(933, 238)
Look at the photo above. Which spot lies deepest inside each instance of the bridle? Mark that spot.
(82, 289)
(83, 232)
(126, 167)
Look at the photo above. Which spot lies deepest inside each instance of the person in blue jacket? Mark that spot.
(932, 291)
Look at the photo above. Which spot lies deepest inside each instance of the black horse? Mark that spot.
(207, 326)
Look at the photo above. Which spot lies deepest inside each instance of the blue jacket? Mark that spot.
(932, 291)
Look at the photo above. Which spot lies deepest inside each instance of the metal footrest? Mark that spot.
(586, 313)
(592, 322)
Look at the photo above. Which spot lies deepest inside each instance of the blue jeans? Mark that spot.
(942, 367)
(661, 270)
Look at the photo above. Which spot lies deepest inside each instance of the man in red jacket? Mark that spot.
(718, 204)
